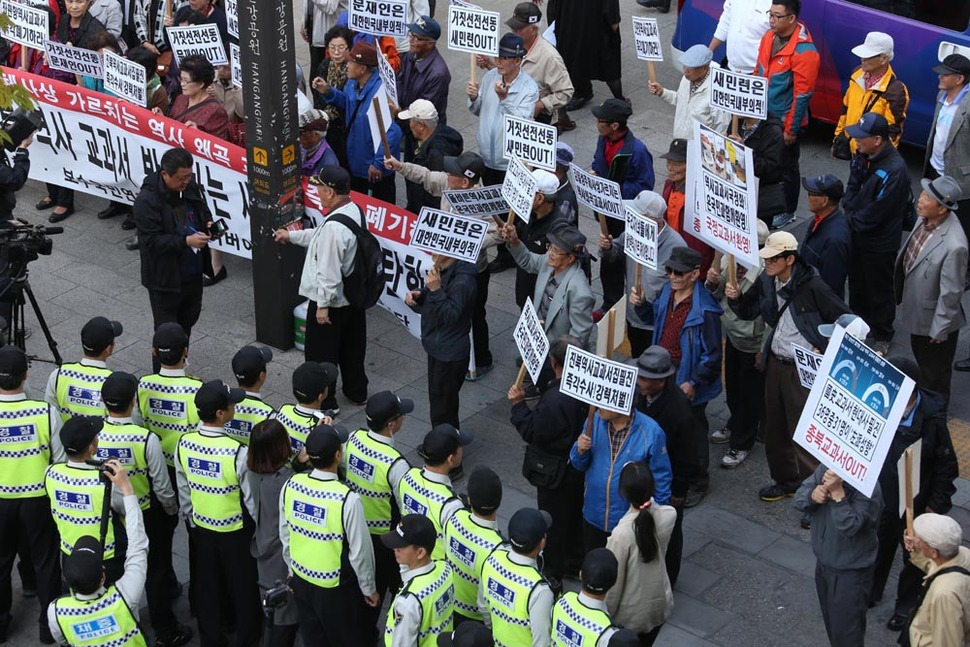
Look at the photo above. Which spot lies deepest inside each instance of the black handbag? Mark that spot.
(543, 469)
(840, 147)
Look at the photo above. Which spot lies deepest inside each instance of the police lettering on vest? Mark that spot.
(507, 587)
(249, 413)
(369, 463)
(421, 495)
(313, 509)
(105, 620)
(78, 390)
(25, 448)
(468, 545)
(575, 624)
(127, 443)
(77, 502)
(167, 404)
(209, 465)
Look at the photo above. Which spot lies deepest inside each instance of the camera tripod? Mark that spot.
(17, 292)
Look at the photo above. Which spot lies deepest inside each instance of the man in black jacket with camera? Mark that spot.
(12, 178)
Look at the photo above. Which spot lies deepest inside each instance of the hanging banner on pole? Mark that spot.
(125, 78)
(519, 189)
(379, 17)
(640, 239)
(531, 340)
(598, 381)
(531, 142)
(598, 193)
(739, 94)
(475, 31)
(201, 40)
(440, 232)
(646, 36)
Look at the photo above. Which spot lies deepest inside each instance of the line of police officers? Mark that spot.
(355, 518)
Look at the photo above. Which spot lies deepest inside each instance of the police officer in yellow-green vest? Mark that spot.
(583, 618)
(249, 367)
(96, 613)
(75, 389)
(29, 443)
(469, 634)
(216, 502)
(313, 382)
(514, 599)
(425, 605)
(327, 547)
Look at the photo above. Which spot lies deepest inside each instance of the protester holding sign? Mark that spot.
(692, 100)
(544, 218)
(428, 143)
(674, 193)
(765, 138)
(194, 107)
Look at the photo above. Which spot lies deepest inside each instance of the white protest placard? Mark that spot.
(531, 340)
(73, 60)
(646, 36)
(464, 3)
(531, 142)
(807, 363)
(440, 232)
(235, 65)
(203, 40)
(611, 329)
(125, 78)
(475, 31)
(232, 18)
(917, 448)
(722, 199)
(375, 127)
(597, 381)
(30, 27)
(640, 239)
(598, 193)
(378, 17)
(486, 201)
(519, 189)
(739, 94)
(389, 79)
(852, 411)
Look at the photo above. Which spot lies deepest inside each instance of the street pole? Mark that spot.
(273, 162)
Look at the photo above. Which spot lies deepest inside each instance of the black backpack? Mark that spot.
(366, 282)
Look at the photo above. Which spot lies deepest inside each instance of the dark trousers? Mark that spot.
(160, 527)
(649, 638)
(593, 537)
(582, 87)
(279, 635)
(891, 527)
(785, 398)
(385, 189)
(342, 342)
(28, 522)
(483, 355)
(62, 196)
(182, 307)
(702, 479)
(640, 340)
(444, 382)
(745, 386)
(226, 571)
(935, 362)
(613, 273)
(675, 547)
(871, 290)
(793, 178)
(387, 578)
(844, 598)
(525, 286)
(328, 617)
(563, 554)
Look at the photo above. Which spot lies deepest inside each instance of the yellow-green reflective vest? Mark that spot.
(298, 425)
(436, 594)
(25, 448)
(467, 546)
(249, 413)
(167, 406)
(127, 443)
(77, 499)
(103, 622)
(576, 625)
(78, 390)
(368, 464)
(507, 587)
(421, 495)
(209, 465)
(314, 511)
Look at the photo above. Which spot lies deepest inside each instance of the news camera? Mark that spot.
(25, 243)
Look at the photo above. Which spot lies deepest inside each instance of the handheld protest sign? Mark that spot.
(232, 18)
(235, 65)
(125, 78)
(28, 27)
(73, 60)
(640, 241)
(378, 17)
(473, 30)
(908, 473)
(378, 116)
(611, 328)
(745, 95)
(853, 409)
(530, 142)
(519, 190)
(597, 381)
(388, 78)
(530, 338)
(807, 364)
(601, 195)
(201, 40)
(448, 234)
(484, 201)
(646, 37)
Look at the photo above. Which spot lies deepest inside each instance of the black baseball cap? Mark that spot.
(683, 259)
(677, 152)
(382, 407)
(511, 46)
(469, 164)
(169, 339)
(827, 185)
(524, 14)
(468, 634)
(79, 432)
(442, 441)
(119, 389)
(215, 395)
(527, 527)
(13, 361)
(954, 64)
(599, 570)
(250, 361)
(613, 110)
(311, 378)
(98, 334)
(333, 176)
(83, 568)
(325, 440)
(871, 124)
(484, 489)
(413, 530)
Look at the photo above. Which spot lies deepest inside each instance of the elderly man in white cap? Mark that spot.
(942, 618)
(639, 318)
(427, 143)
(873, 87)
(928, 281)
(693, 96)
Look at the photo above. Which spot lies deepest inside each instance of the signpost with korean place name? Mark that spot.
(125, 78)
(378, 17)
(29, 26)
(646, 37)
(530, 338)
(73, 60)
(531, 142)
(853, 409)
(739, 94)
(448, 234)
(519, 190)
(484, 201)
(599, 382)
(600, 194)
(201, 40)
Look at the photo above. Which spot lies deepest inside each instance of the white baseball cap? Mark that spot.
(419, 109)
(548, 182)
(876, 43)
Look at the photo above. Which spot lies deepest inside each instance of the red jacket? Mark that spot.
(791, 75)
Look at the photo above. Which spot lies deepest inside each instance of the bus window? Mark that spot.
(949, 14)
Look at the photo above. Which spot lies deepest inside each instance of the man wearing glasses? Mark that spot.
(424, 73)
(793, 300)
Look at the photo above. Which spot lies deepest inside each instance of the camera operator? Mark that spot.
(12, 177)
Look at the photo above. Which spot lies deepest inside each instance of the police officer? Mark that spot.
(313, 383)
(470, 537)
(249, 367)
(31, 443)
(424, 606)
(428, 490)
(140, 452)
(582, 618)
(75, 389)
(216, 502)
(327, 547)
(374, 469)
(77, 492)
(95, 612)
(514, 599)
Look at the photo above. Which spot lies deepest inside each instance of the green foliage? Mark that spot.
(12, 95)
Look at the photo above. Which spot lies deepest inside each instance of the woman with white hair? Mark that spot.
(315, 151)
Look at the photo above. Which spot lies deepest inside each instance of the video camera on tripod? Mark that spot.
(25, 243)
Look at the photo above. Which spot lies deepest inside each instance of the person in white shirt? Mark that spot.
(741, 26)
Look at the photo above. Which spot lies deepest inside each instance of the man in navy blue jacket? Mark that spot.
(827, 241)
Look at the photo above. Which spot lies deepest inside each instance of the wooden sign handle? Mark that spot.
(588, 429)
(603, 228)
(380, 125)
(473, 75)
(652, 71)
(735, 130)
(511, 218)
(637, 276)
(732, 270)
(909, 492)
(520, 377)
(610, 323)
(23, 58)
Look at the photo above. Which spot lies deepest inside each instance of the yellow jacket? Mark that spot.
(889, 98)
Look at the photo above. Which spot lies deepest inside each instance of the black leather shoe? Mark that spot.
(58, 217)
(661, 5)
(132, 244)
(112, 211)
(209, 281)
(962, 365)
(577, 102)
(129, 223)
(897, 622)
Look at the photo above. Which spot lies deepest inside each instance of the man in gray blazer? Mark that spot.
(928, 282)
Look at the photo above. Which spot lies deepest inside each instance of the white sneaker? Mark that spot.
(721, 436)
(733, 458)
